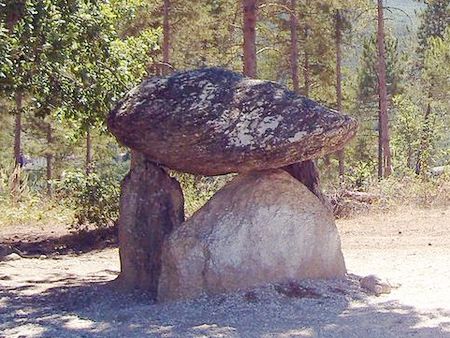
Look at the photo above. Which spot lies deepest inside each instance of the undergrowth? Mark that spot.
(34, 211)
(392, 193)
(93, 200)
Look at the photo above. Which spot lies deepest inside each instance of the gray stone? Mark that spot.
(262, 227)
(375, 285)
(151, 206)
(212, 121)
(11, 257)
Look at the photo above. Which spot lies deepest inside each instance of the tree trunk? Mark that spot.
(151, 206)
(338, 32)
(306, 75)
(49, 159)
(18, 130)
(249, 31)
(380, 147)
(294, 46)
(422, 158)
(382, 97)
(89, 164)
(166, 38)
(18, 156)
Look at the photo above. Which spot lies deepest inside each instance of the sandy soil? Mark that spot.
(69, 296)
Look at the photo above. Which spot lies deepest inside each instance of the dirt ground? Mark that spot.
(68, 295)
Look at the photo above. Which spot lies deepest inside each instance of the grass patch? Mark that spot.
(34, 211)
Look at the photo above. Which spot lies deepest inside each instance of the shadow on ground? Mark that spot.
(76, 242)
(91, 308)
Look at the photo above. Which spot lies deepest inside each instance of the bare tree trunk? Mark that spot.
(382, 96)
(422, 160)
(89, 153)
(49, 159)
(166, 38)
(380, 147)
(294, 46)
(249, 31)
(13, 16)
(18, 157)
(338, 32)
(18, 129)
(307, 83)
(151, 206)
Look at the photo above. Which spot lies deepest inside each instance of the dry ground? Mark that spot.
(68, 296)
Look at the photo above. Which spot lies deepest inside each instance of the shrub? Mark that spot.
(94, 198)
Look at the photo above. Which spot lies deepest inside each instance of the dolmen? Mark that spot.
(264, 226)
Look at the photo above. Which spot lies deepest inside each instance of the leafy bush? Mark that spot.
(197, 190)
(94, 198)
(360, 175)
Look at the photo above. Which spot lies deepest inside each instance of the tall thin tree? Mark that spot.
(384, 151)
(294, 45)
(166, 37)
(249, 30)
(338, 40)
(18, 128)
(14, 11)
(306, 65)
(49, 158)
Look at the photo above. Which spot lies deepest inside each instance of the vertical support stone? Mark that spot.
(151, 206)
(307, 173)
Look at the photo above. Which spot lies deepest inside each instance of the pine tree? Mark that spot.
(434, 21)
(384, 151)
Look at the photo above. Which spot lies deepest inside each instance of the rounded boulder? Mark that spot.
(262, 227)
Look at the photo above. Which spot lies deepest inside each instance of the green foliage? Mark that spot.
(360, 176)
(408, 124)
(94, 198)
(365, 100)
(435, 20)
(204, 33)
(198, 190)
(69, 58)
(102, 68)
(27, 207)
(437, 67)
(410, 189)
(367, 71)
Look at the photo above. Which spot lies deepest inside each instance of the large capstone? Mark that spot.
(262, 227)
(212, 121)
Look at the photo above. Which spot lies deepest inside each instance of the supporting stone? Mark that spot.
(151, 206)
(261, 227)
(307, 173)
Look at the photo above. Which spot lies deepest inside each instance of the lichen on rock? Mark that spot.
(213, 121)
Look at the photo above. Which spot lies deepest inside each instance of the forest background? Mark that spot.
(65, 63)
